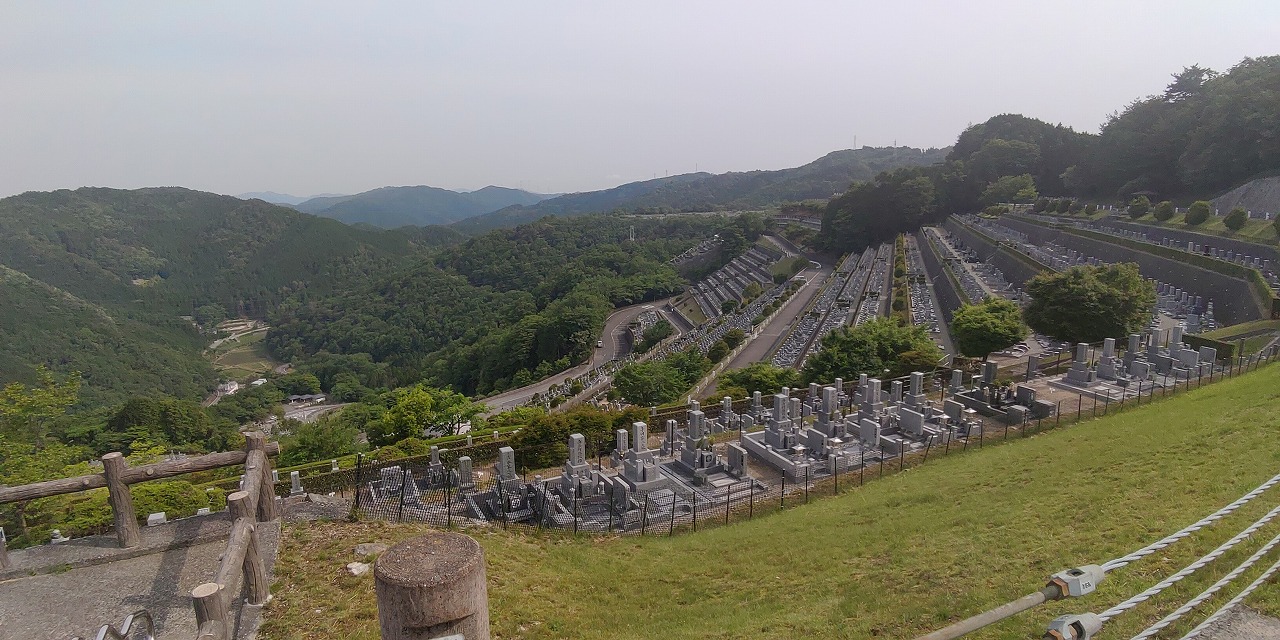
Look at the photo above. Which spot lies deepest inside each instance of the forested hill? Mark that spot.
(822, 178)
(95, 279)
(392, 207)
(1206, 133)
(170, 249)
(499, 310)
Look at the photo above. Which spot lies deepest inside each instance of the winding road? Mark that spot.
(615, 346)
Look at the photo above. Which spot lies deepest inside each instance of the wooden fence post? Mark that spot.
(4, 553)
(267, 509)
(126, 522)
(255, 569)
(210, 607)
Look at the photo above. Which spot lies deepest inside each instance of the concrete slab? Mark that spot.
(56, 606)
(1243, 623)
(61, 591)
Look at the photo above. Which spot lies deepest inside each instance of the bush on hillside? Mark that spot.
(1163, 211)
(1198, 212)
(1139, 207)
(1236, 218)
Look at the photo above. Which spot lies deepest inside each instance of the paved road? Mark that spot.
(769, 336)
(309, 413)
(613, 326)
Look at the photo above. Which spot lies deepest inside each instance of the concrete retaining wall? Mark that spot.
(1016, 271)
(1232, 298)
(948, 298)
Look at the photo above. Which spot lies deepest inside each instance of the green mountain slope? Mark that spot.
(117, 355)
(173, 249)
(822, 178)
(501, 307)
(392, 207)
(96, 279)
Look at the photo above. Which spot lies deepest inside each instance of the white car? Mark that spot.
(599, 344)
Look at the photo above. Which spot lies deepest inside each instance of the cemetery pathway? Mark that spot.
(73, 602)
(769, 336)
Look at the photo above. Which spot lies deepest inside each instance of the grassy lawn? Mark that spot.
(896, 558)
(244, 358)
(1257, 334)
(1254, 230)
(1243, 328)
(692, 311)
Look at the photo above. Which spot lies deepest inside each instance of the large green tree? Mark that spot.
(872, 348)
(1018, 189)
(421, 410)
(764, 377)
(991, 325)
(1089, 303)
(322, 439)
(27, 411)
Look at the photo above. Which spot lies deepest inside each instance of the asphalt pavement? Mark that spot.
(613, 347)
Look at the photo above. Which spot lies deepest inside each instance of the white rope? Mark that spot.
(1207, 593)
(1189, 569)
(1232, 603)
(1112, 565)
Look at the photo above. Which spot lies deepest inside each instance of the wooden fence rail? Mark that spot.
(117, 475)
(242, 564)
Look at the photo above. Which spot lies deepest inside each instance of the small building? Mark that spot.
(259, 382)
(309, 397)
(228, 388)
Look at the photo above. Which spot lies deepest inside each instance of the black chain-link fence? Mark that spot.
(419, 489)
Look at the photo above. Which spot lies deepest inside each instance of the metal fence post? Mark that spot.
(727, 499)
(448, 506)
(359, 461)
(927, 445)
(695, 513)
(751, 499)
(644, 515)
(404, 479)
(671, 529)
(806, 484)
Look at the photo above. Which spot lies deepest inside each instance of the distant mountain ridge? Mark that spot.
(281, 198)
(393, 207)
(823, 178)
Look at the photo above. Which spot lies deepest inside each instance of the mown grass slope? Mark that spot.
(896, 558)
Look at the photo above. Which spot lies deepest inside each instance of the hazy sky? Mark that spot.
(550, 96)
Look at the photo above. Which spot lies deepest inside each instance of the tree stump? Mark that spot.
(432, 586)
